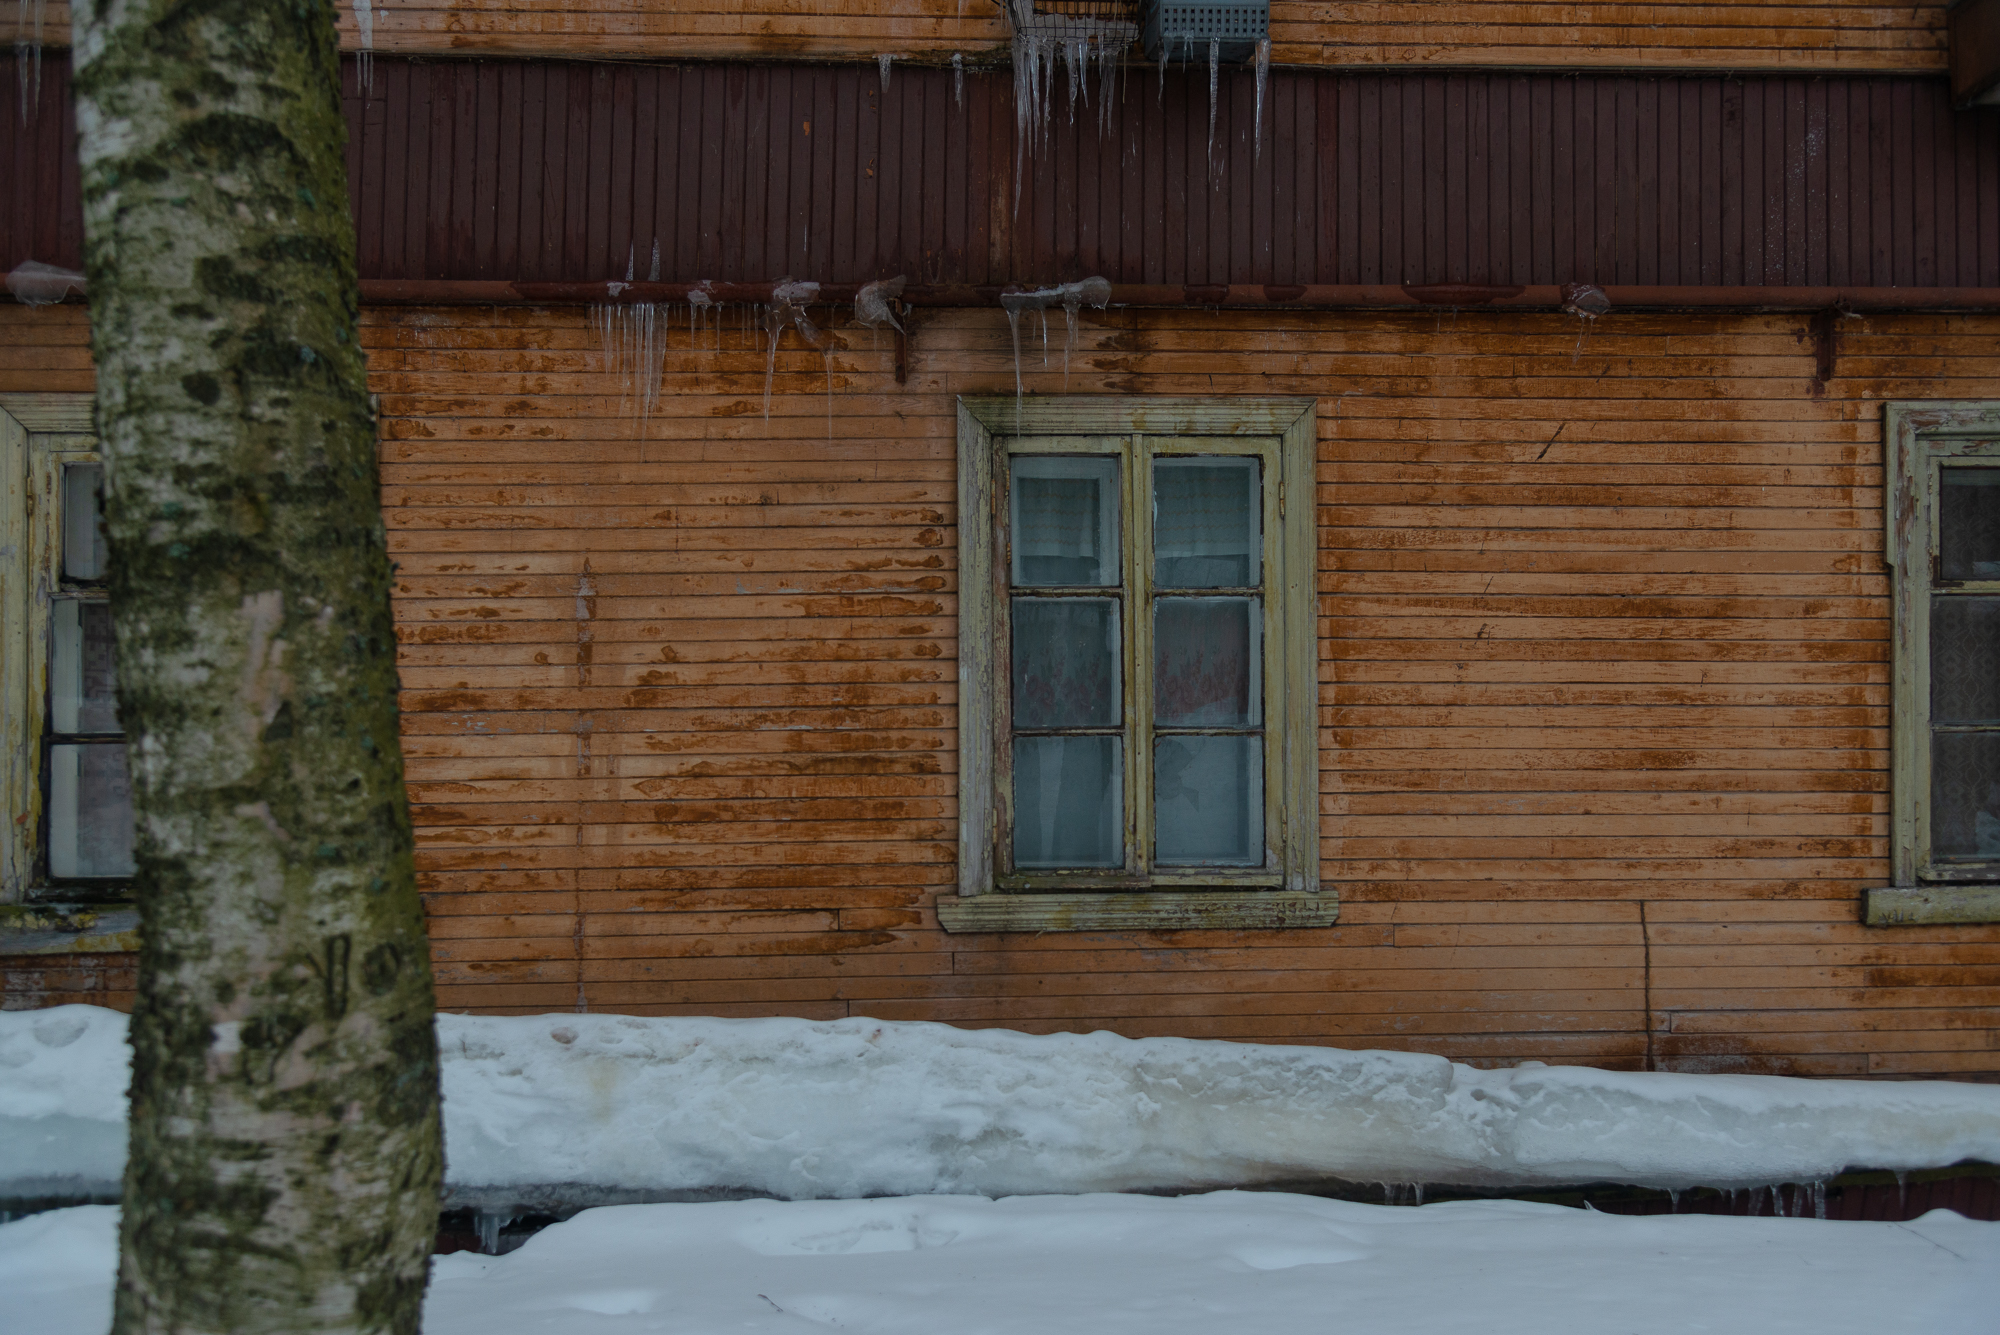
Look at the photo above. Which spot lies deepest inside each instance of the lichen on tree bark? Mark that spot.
(285, 1151)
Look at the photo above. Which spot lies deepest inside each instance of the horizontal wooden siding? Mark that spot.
(1603, 707)
(1759, 34)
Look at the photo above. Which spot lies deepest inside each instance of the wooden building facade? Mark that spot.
(1593, 346)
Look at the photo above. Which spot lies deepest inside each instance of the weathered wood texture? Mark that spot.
(504, 170)
(1844, 35)
(558, 171)
(1604, 689)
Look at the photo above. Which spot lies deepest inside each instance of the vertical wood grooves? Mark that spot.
(1392, 178)
(562, 170)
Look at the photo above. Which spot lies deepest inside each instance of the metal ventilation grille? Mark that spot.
(1182, 29)
(1107, 24)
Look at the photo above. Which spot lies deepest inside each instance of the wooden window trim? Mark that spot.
(1917, 436)
(1292, 896)
(39, 435)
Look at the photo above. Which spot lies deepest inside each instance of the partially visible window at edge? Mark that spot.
(86, 792)
(1944, 543)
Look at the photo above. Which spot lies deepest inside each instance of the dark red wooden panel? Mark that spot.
(41, 210)
(549, 171)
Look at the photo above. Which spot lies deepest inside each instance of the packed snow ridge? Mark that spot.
(1266, 1262)
(850, 1108)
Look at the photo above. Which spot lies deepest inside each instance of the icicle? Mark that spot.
(1107, 84)
(488, 1224)
(1214, 86)
(1673, 1201)
(826, 360)
(632, 337)
(1902, 1192)
(36, 284)
(788, 306)
(958, 77)
(1040, 41)
(1027, 95)
(653, 274)
(882, 63)
(1417, 1188)
(1819, 1199)
(1096, 292)
(1263, 77)
(776, 330)
(699, 300)
(1071, 297)
(1014, 330)
(28, 53)
(1073, 55)
(871, 303)
(364, 20)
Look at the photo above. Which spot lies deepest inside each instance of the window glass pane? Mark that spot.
(1965, 659)
(1965, 795)
(83, 521)
(81, 695)
(1066, 663)
(90, 811)
(1206, 529)
(1207, 662)
(1208, 801)
(1065, 520)
(1068, 802)
(1969, 523)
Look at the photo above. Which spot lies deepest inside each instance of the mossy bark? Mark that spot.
(285, 1151)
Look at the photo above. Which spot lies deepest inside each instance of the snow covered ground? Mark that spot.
(1231, 1263)
(909, 1113)
(849, 1108)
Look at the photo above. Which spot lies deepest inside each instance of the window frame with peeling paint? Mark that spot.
(1134, 887)
(42, 438)
(1920, 441)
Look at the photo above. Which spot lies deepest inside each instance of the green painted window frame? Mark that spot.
(1919, 438)
(1286, 890)
(40, 436)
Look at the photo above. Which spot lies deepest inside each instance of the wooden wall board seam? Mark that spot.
(1502, 796)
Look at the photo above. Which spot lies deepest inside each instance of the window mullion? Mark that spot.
(1272, 625)
(1917, 586)
(1139, 656)
(1003, 672)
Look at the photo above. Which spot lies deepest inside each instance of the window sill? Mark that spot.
(1926, 905)
(52, 929)
(1159, 911)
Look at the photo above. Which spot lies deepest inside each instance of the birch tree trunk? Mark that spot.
(285, 1153)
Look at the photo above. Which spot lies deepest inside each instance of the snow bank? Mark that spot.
(1270, 1263)
(62, 1101)
(852, 1108)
